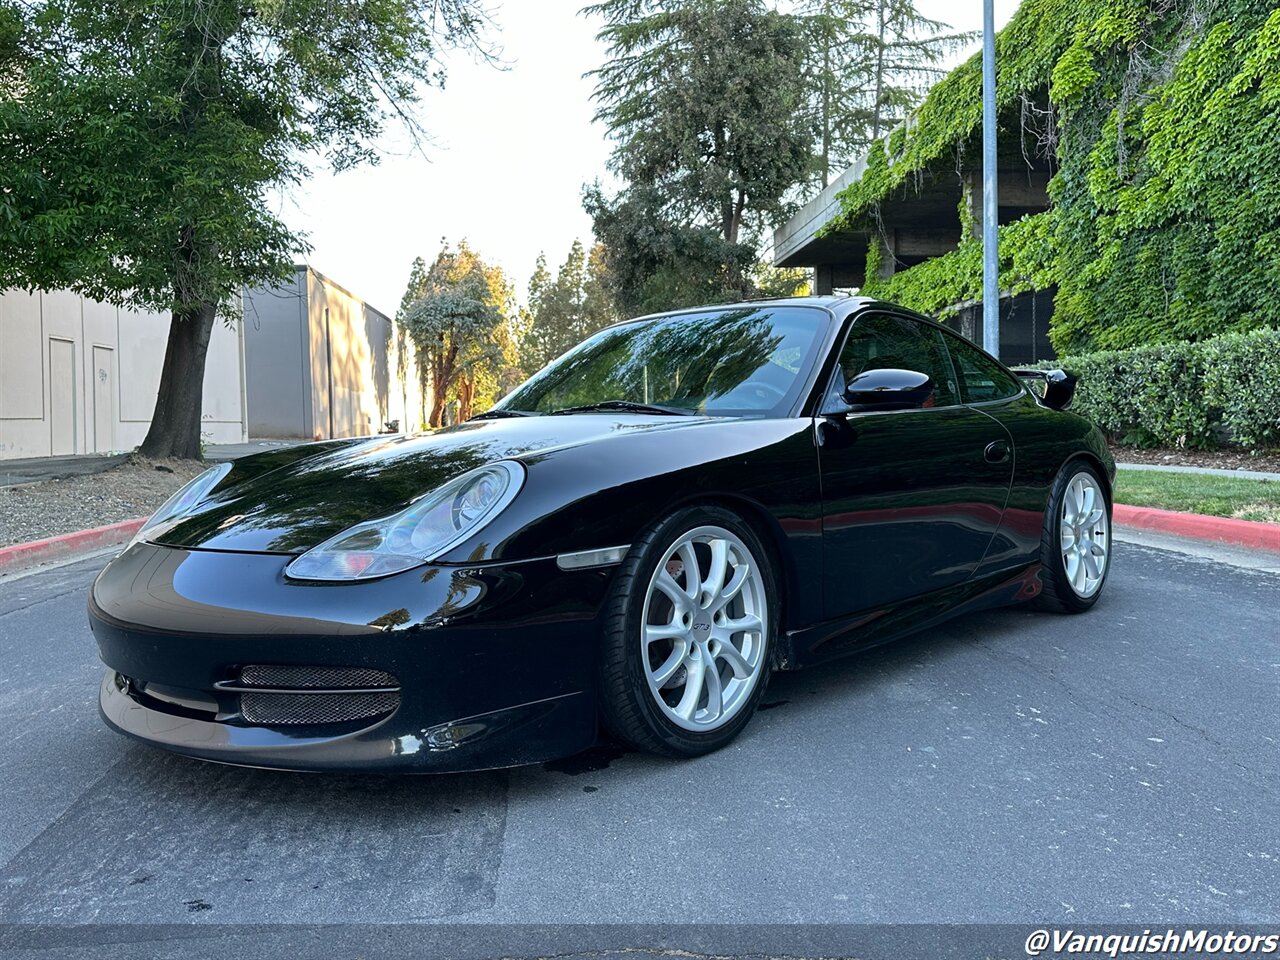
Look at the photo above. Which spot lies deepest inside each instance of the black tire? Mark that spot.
(628, 707)
(1057, 595)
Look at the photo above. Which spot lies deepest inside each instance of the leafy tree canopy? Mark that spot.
(704, 100)
(139, 141)
(656, 263)
(457, 312)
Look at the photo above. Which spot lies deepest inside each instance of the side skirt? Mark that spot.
(870, 628)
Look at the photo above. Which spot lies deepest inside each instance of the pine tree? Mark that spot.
(565, 311)
(597, 301)
(870, 63)
(704, 100)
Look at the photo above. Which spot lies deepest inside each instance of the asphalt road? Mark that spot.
(1011, 767)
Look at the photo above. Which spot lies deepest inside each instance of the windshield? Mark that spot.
(746, 361)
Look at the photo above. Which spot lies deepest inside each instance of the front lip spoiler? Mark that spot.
(379, 747)
(250, 746)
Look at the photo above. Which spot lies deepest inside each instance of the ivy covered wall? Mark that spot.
(1162, 119)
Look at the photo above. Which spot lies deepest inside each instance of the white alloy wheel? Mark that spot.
(702, 642)
(1084, 535)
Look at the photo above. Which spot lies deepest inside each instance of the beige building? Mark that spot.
(78, 376)
(321, 363)
(308, 360)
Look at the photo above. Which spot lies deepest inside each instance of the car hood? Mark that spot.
(289, 501)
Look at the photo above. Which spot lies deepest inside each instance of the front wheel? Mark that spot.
(1075, 551)
(688, 634)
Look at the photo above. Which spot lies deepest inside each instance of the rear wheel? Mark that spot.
(688, 635)
(1075, 551)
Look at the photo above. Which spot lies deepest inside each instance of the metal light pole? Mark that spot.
(990, 203)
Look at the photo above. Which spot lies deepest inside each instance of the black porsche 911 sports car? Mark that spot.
(632, 540)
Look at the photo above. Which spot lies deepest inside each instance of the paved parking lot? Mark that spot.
(1010, 767)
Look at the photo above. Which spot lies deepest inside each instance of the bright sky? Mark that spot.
(512, 151)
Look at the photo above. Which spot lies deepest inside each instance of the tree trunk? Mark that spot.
(437, 408)
(175, 425)
(466, 397)
(442, 377)
(735, 222)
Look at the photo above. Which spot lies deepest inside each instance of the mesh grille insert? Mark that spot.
(315, 678)
(315, 708)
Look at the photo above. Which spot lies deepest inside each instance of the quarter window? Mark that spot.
(879, 341)
(981, 378)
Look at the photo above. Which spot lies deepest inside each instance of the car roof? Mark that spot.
(841, 306)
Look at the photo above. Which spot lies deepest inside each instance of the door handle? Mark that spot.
(997, 451)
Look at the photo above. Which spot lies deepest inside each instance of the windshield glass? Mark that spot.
(746, 361)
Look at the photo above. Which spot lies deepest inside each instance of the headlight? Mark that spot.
(430, 526)
(181, 503)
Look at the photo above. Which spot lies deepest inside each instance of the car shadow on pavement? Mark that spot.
(862, 683)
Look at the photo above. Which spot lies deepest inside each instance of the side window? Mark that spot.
(879, 341)
(981, 378)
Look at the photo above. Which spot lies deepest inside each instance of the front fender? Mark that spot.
(606, 493)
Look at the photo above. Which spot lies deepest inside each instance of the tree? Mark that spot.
(870, 63)
(704, 100)
(597, 292)
(457, 318)
(655, 263)
(539, 284)
(779, 282)
(489, 373)
(139, 142)
(566, 310)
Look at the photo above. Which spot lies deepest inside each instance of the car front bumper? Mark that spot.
(491, 666)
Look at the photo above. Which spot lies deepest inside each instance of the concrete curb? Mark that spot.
(1203, 471)
(20, 556)
(1244, 533)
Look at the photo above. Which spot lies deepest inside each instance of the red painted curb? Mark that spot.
(1244, 533)
(22, 555)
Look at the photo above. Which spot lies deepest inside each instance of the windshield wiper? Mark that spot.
(499, 414)
(629, 406)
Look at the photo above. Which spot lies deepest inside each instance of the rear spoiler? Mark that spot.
(1059, 386)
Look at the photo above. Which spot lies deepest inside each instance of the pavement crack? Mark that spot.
(1085, 700)
(35, 603)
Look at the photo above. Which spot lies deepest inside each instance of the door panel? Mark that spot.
(910, 502)
(911, 497)
(991, 388)
(62, 396)
(104, 399)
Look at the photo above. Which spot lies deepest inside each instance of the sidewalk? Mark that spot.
(36, 469)
(1210, 471)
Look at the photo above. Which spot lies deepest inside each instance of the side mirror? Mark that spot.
(889, 388)
(1059, 386)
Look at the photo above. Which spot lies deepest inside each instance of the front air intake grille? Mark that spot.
(305, 695)
(316, 678)
(315, 708)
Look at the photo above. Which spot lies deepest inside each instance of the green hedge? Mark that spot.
(1184, 394)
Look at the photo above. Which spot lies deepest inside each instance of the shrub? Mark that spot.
(1184, 394)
